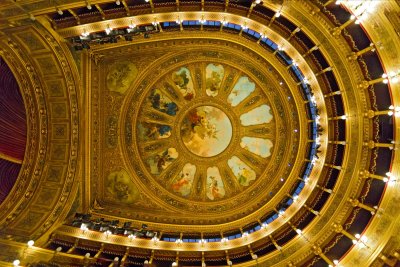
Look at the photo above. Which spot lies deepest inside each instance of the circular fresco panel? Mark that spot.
(206, 131)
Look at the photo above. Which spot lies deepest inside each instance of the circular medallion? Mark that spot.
(206, 131)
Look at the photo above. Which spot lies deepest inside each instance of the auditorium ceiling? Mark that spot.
(200, 133)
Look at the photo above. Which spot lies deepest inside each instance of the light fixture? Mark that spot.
(244, 26)
(258, 2)
(155, 22)
(31, 243)
(254, 256)
(224, 240)
(118, 2)
(132, 25)
(245, 235)
(16, 262)
(202, 20)
(132, 236)
(338, 2)
(202, 241)
(295, 198)
(155, 239)
(84, 34)
(178, 241)
(280, 48)
(88, 6)
(107, 233)
(84, 228)
(108, 29)
(298, 231)
(87, 255)
(59, 11)
(343, 117)
(223, 21)
(174, 264)
(178, 20)
(278, 14)
(146, 1)
(336, 262)
(58, 249)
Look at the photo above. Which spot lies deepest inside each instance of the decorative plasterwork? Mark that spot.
(48, 83)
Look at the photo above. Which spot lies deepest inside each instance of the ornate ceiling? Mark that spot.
(244, 133)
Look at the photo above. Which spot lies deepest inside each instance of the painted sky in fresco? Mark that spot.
(206, 131)
(243, 173)
(259, 115)
(242, 89)
(258, 146)
(215, 186)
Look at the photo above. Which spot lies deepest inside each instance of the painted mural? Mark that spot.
(206, 131)
(183, 182)
(120, 187)
(214, 76)
(242, 172)
(162, 160)
(242, 89)
(215, 186)
(120, 76)
(183, 80)
(259, 115)
(161, 102)
(152, 131)
(258, 146)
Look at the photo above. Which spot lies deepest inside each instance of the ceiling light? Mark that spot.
(83, 227)
(278, 14)
(108, 30)
(59, 249)
(59, 11)
(31, 243)
(118, 2)
(178, 241)
(89, 6)
(258, 2)
(264, 225)
(85, 34)
(298, 231)
(16, 262)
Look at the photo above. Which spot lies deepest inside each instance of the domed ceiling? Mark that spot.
(201, 136)
(206, 133)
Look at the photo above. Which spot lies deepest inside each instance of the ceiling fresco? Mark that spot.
(188, 132)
